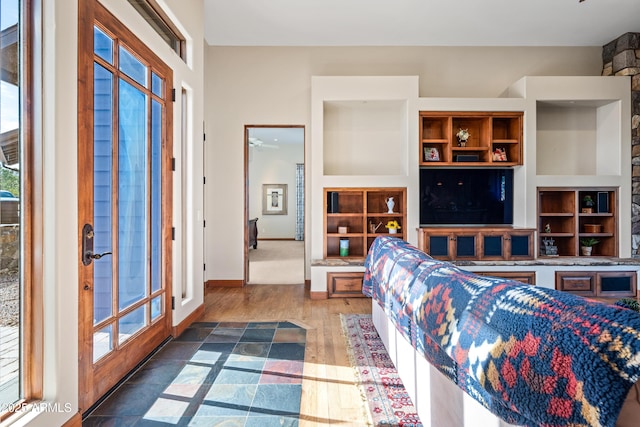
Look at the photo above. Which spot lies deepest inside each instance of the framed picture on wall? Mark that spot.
(274, 199)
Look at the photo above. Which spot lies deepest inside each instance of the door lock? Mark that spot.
(87, 246)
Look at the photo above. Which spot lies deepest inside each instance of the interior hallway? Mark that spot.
(277, 262)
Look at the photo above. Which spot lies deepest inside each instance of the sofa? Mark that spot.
(485, 351)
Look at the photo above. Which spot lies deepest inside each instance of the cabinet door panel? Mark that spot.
(617, 284)
(438, 246)
(521, 245)
(466, 246)
(493, 246)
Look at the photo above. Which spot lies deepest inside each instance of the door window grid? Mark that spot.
(140, 298)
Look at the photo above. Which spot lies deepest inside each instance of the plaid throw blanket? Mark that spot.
(531, 355)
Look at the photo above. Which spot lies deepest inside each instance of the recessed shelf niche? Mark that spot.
(358, 136)
(575, 137)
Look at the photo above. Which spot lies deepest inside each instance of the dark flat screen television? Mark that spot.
(466, 196)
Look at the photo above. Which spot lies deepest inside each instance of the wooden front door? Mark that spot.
(124, 148)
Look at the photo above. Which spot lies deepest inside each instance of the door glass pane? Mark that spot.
(102, 45)
(10, 195)
(102, 342)
(156, 307)
(102, 190)
(132, 323)
(132, 185)
(156, 84)
(156, 194)
(132, 67)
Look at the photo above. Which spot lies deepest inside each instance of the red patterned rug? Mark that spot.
(377, 377)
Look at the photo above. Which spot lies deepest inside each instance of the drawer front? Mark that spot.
(347, 284)
(527, 277)
(576, 282)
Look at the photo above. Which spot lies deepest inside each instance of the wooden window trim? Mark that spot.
(32, 216)
(31, 230)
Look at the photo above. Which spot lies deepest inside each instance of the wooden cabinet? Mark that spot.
(495, 139)
(477, 243)
(564, 218)
(608, 286)
(354, 217)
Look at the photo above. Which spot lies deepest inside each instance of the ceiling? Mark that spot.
(276, 136)
(419, 22)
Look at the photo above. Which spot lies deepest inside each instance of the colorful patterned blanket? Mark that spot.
(531, 355)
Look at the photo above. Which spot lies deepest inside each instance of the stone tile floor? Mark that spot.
(229, 373)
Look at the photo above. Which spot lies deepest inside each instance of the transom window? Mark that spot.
(161, 23)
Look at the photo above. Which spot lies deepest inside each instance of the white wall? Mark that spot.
(274, 166)
(272, 85)
(58, 130)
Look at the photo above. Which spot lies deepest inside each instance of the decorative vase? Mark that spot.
(462, 143)
(586, 250)
(393, 231)
(390, 204)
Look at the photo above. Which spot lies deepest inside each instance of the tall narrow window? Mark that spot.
(184, 138)
(11, 130)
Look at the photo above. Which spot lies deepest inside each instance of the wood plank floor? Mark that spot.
(329, 394)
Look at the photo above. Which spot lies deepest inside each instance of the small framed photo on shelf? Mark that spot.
(500, 155)
(431, 154)
(274, 199)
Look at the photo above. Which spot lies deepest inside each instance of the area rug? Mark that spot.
(388, 401)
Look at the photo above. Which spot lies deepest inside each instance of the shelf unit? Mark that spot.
(489, 132)
(563, 217)
(357, 209)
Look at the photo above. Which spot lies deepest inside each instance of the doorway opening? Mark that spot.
(274, 204)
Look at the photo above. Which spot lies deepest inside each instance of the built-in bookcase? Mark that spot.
(565, 217)
(495, 139)
(358, 216)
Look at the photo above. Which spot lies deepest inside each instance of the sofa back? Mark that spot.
(531, 355)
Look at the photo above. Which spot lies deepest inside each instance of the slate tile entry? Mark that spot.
(227, 373)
